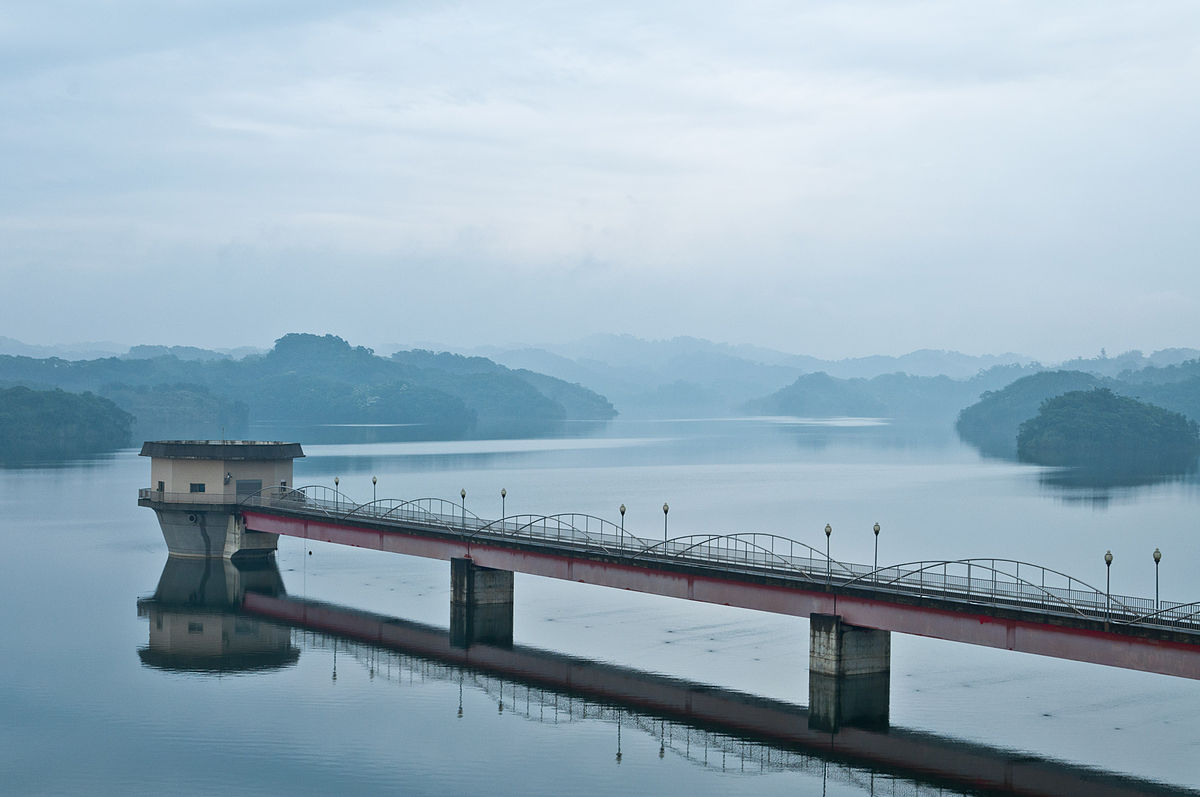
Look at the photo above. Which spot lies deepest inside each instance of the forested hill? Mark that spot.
(1099, 430)
(993, 422)
(36, 423)
(318, 379)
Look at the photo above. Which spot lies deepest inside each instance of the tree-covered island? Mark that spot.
(1099, 429)
(37, 423)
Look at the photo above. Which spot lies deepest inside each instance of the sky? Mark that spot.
(827, 178)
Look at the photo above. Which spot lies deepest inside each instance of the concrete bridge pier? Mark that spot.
(849, 678)
(481, 605)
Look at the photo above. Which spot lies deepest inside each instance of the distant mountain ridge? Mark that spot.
(690, 376)
(318, 379)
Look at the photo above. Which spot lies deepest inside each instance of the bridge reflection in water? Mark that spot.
(212, 616)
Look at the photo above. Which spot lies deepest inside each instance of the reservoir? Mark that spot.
(98, 698)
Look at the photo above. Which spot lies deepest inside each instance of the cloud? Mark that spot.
(778, 171)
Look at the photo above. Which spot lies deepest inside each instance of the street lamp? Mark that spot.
(337, 496)
(463, 494)
(1108, 585)
(666, 509)
(828, 561)
(374, 481)
(503, 495)
(876, 553)
(622, 520)
(1157, 559)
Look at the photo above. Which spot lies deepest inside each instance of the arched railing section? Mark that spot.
(334, 504)
(591, 531)
(750, 549)
(440, 512)
(1168, 613)
(996, 582)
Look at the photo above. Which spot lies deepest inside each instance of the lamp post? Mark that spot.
(503, 496)
(463, 494)
(337, 496)
(1108, 557)
(374, 481)
(666, 509)
(1157, 559)
(622, 520)
(876, 553)
(828, 561)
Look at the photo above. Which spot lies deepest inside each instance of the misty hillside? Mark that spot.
(317, 379)
(927, 399)
(688, 376)
(102, 349)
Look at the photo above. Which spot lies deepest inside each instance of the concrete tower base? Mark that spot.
(849, 679)
(481, 605)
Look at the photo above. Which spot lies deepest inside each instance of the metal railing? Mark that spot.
(992, 582)
(150, 494)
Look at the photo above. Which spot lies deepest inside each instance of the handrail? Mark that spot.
(1003, 584)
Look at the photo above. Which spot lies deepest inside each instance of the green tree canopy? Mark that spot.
(36, 423)
(1101, 430)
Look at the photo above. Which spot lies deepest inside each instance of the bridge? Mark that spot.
(708, 726)
(852, 607)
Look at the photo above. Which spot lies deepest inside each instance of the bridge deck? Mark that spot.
(995, 603)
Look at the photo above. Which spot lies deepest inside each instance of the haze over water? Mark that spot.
(84, 713)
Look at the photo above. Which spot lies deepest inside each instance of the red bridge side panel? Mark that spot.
(1117, 650)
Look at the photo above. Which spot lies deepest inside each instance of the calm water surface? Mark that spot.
(84, 711)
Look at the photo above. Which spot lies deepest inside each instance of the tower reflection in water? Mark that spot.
(210, 616)
(196, 622)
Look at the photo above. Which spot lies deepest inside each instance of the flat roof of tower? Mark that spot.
(221, 449)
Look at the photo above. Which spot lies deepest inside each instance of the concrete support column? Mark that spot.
(481, 605)
(849, 676)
